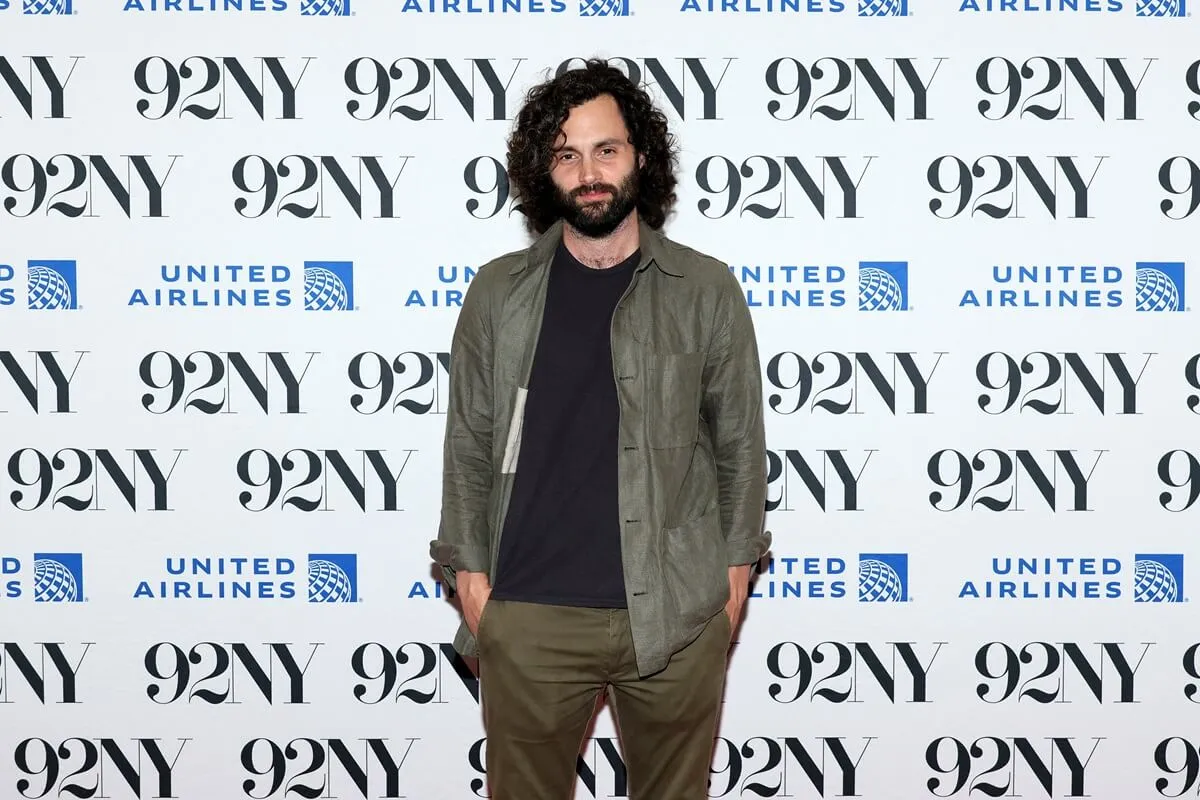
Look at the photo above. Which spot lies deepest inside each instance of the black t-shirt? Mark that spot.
(561, 542)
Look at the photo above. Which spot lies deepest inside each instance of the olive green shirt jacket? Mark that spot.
(691, 443)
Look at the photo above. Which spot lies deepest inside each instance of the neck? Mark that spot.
(605, 251)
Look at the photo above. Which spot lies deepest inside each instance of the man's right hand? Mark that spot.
(474, 589)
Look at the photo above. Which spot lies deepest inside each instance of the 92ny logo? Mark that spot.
(429, 89)
(416, 672)
(840, 88)
(1055, 672)
(211, 672)
(999, 766)
(858, 672)
(830, 478)
(761, 766)
(425, 391)
(37, 85)
(993, 185)
(143, 768)
(89, 479)
(365, 184)
(219, 383)
(1059, 480)
(854, 382)
(759, 186)
(45, 671)
(318, 476)
(1060, 383)
(775, 185)
(209, 88)
(85, 186)
(324, 767)
(42, 380)
(1048, 88)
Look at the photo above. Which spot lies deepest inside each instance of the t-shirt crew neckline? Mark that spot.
(616, 269)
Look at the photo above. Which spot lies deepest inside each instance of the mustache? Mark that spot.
(594, 187)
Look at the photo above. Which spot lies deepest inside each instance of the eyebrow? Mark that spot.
(601, 143)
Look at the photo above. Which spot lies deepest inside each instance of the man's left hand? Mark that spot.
(739, 588)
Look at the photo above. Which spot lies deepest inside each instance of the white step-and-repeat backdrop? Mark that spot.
(234, 236)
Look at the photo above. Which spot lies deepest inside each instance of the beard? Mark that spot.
(600, 217)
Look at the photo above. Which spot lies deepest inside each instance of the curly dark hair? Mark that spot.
(538, 125)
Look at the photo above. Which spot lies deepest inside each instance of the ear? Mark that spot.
(641, 161)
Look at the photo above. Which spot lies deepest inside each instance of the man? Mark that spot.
(605, 463)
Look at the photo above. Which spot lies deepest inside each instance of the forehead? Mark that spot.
(596, 120)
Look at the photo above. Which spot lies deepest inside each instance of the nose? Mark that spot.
(589, 170)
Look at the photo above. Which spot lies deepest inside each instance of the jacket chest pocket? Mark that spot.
(673, 398)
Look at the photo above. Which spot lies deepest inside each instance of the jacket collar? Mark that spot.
(651, 242)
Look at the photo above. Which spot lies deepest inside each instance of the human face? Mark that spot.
(594, 173)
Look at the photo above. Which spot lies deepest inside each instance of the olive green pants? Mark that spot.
(541, 671)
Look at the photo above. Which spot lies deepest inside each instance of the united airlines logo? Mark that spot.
(1147, 578)
(58, 577)
(52, 286)
(1158, 578)
(883, 8)
(333, 578)
(308, 8)
(328, 286)
(54, 578)
(604, 8)
(883, 286)
(322, 578)
(1161, 8)
(883, 578)
(1159, 286)
(325, 8)
(47, 7)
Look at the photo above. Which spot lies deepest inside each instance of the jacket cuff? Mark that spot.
(459, 557)
(749, 550)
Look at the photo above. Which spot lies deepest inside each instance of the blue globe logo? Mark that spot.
(47, 6)
(878, 291)
(328, 583)
(1154, 291)
(603, 8)
(53, 582)
(48, 289)
(1154, 583)
(1160, 8)
(324, 8)
(323, 290)
(881, 8)
(878, 582)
